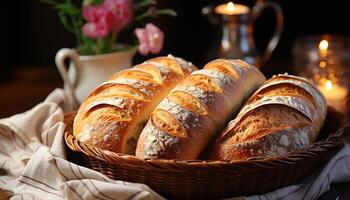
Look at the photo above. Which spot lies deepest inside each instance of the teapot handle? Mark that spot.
(257, 11)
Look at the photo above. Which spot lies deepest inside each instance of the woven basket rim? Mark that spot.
(334, 139)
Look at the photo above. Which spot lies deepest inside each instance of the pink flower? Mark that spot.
(111, 16)
(95, 30)
(150, 39)
(99, 20)
(122, 12)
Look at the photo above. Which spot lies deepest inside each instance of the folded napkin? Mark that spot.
(33, 159)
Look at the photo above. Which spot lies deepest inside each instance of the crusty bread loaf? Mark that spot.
(196, 109)
(283, 115)
(113, 115)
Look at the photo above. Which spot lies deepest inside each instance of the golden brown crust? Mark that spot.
(283, 89)
(113, 115)
(272, 144)
(264, 119)
(225, 67)
(196, 109)
(188, 101)
(164, 121)
(283, 115)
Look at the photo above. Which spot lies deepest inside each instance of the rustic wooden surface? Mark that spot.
(27, 88)
(3, 195)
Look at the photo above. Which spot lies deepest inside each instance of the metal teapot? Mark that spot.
(237, 31)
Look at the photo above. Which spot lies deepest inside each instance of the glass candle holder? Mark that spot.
(325, 59)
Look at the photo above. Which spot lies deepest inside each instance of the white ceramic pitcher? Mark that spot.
(86, 72)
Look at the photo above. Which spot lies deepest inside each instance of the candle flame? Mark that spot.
(328, 85)
(323, 45)
(230, 6)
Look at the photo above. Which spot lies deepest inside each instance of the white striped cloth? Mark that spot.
(32, 155)
(33, 159)
(337, 170)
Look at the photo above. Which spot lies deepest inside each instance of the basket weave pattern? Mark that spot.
(199, 179)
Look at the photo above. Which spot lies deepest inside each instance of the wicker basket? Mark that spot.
(200, 179)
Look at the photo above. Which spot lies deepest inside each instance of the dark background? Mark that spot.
(31, 33)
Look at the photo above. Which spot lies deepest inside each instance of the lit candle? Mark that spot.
(323, 46)
(336, 95)
(231, 9)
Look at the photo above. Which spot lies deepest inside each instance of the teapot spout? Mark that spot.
(208, 11)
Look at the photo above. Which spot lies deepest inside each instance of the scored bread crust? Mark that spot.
(283, 115)
(196, 109)
(113, 115)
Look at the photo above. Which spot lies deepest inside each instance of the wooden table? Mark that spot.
(30, 86)
(27, 88)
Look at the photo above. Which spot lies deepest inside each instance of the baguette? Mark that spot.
(196, 109)
(284, 115)
(113, 115)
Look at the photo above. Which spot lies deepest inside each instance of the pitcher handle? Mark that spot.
(257, 11)
(61, 56)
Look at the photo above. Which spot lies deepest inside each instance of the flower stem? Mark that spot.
(76, 29)
(99, 44)
(112, 40)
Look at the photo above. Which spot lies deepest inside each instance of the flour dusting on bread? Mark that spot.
(284, 115)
